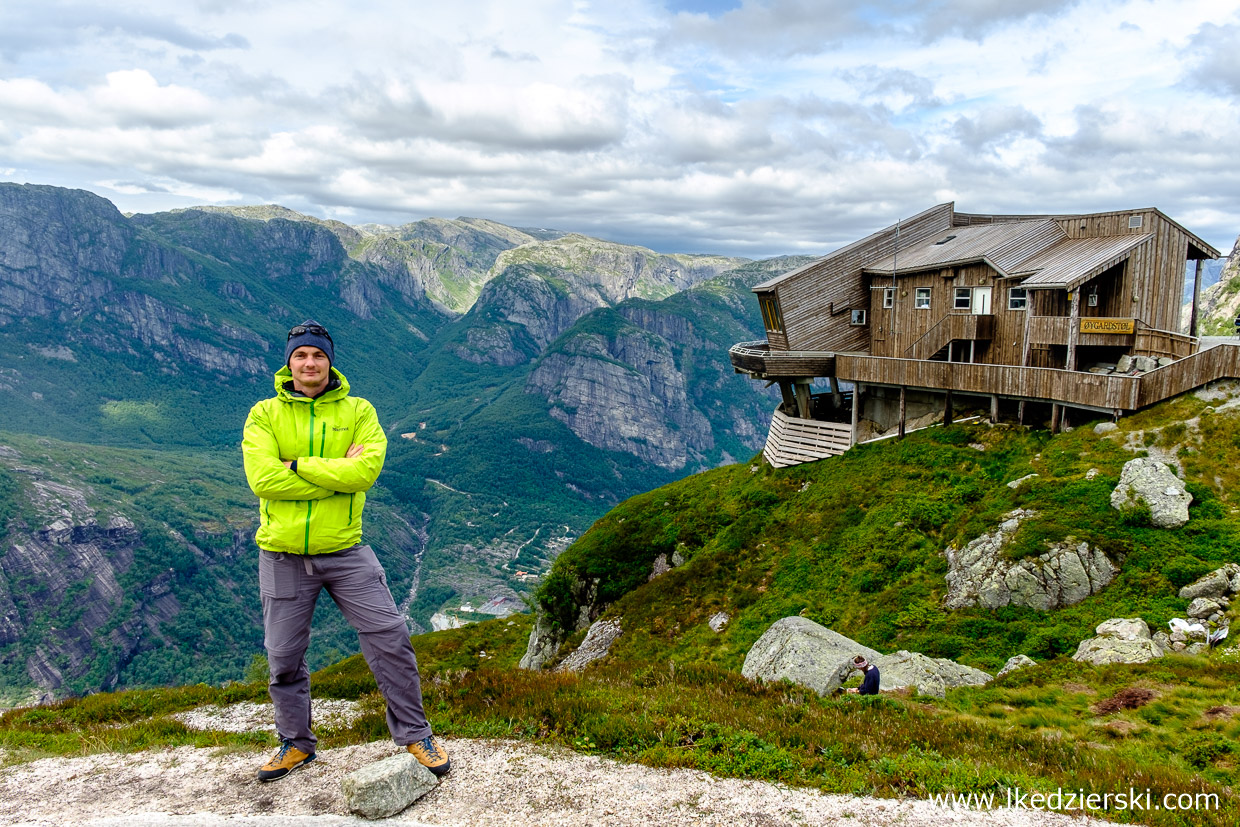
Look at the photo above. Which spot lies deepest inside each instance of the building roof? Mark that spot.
(1074, 261)
(1002, 246)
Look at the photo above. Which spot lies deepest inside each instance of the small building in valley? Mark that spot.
(1027, 315)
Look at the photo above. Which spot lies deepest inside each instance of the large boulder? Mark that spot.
(1067, 573)
(804, 652)
(1146, 481)
(1216, 584)
(1120, 640)
(930, 676)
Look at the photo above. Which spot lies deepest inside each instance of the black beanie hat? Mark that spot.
(310, 334)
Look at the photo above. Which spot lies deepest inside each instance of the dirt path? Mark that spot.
(491, 783)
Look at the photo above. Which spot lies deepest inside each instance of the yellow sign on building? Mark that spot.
(1101, 325)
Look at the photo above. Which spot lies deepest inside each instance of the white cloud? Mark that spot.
(758, 127)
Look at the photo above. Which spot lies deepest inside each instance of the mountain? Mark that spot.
(1221, 300)
(579, 373)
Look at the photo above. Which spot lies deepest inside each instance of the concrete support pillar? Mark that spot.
(837, 398)
(803, 400)
(994, 409)
(856, 412)
(785, 391)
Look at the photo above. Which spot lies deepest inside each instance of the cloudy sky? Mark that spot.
(750, 127)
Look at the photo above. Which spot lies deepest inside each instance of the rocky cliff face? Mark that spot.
(1220, 303)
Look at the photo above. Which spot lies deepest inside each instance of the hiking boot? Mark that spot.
(285, 761)
(431, 754)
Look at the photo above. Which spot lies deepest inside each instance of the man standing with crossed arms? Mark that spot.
(311, 452)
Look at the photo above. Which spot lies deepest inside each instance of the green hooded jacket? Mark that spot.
(317, 509)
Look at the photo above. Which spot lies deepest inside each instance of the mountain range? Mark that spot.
(529, 380)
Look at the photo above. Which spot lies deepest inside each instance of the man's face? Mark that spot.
(310, 367)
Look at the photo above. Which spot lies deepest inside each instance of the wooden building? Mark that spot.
(1042, 301)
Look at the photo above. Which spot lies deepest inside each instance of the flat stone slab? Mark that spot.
(386, 787)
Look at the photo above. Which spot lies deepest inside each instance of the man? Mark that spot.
(869, 679)
(311, 453)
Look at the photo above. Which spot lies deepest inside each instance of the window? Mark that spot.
(1017, 298)
(921, 299)
(1092, 300)
(889, 296)
(771, 317)
(963, 298)
(858, 317)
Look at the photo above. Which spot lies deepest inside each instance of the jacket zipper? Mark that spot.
(309, 503)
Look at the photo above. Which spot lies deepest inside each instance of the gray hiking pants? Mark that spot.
(290, 586)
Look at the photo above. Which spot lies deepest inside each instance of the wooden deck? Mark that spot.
(792, 441)
(1080, 389)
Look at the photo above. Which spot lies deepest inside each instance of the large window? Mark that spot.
(963, 298)
(858, 317)
(771, 317)
(1017, 298)
(921, 299)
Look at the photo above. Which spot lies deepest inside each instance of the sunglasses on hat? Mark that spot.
(314, 329)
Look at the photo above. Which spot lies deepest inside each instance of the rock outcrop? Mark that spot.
(929, 676)
(806, 653)
(1120, 640)
(1016, 662)
(597, 644)
(1154, 485)
(1066, 574)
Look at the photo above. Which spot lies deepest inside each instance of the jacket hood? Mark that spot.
(284, 376)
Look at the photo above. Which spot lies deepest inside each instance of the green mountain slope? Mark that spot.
(857, 542)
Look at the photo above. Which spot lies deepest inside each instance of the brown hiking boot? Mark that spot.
(285, 761)
(431, 754)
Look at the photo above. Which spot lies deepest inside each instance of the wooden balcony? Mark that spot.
(1144, 341)
(757, 358)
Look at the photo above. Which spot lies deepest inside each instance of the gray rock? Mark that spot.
(1105, 428)
(1154, 484)
(806, 653)
(1065, 575)
(1124, 364)
(1016, 662)
(1164, 361)
(930, 676)
(1217, 583)
(545, 641)
(1143, 363)
(1203, 607)
(1121, 640)
(386, 787)
(718, 621)
(659, 567)
(1017, 483)
(602, 635)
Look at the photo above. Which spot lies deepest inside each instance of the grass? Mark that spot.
(1033, 729)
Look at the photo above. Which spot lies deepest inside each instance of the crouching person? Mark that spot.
(869, 677)
(311, 452)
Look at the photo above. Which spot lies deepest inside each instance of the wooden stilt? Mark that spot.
(1020, 413)
(1192, 319)
(1074, 327)
(1055, 413)
(947, 408)
(902, 411)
